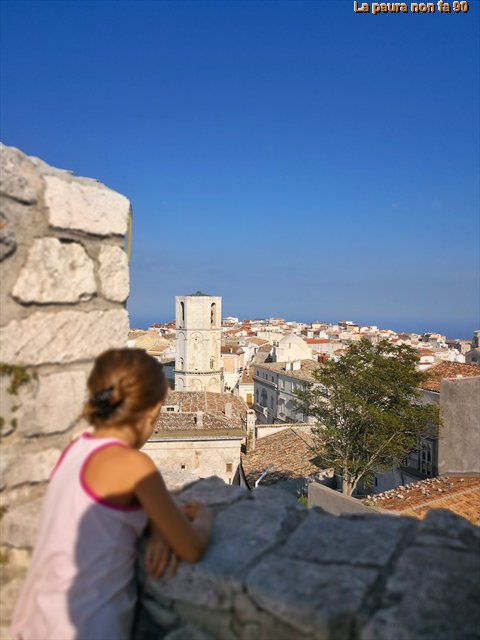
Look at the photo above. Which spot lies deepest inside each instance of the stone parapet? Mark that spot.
(275, 569)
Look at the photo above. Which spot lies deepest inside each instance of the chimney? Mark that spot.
(199, 419)
(251, 431)
(228, 409)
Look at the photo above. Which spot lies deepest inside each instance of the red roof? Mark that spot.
(460, 494)
(444, 370)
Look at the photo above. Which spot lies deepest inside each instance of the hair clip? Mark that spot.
(101, 400)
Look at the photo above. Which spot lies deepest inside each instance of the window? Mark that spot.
(182, 311)
(212, 363)
(182, 466)
(426, 458)
(212, 314)
(170, 408)
(228, 467)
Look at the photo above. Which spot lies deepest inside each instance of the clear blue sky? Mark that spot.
(293, 157)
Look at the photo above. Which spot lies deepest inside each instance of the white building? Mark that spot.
(198, 339)
(291, 347)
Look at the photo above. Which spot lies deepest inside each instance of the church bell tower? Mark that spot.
(198, 339)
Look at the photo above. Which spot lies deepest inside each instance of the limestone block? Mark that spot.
(161, 615)
(55, 272)
(442, 528)
(214, 491)
(315, 599)
(8, 243)
(114, 273)
(18, 467)
(433, 593)
(54, 405)
(85, 207)
(5, 633)
(188, 632)
(211, 621)
(19, 525)
(66, 336)
(241, 534)
(375, 541)
(8, 599)
(18, 178)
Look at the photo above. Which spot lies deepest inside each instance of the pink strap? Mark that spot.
(89, 491)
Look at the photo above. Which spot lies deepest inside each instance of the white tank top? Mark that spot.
(80, 583)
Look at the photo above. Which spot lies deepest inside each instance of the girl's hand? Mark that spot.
(159, 555)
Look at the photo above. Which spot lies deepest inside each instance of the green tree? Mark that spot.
(367, 410)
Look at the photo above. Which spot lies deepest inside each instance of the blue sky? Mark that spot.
(293, 157)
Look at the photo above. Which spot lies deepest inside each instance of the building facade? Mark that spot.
(275, 388)
(198, 365)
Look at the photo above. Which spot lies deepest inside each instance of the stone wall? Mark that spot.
(459, 437)
(275, 569)
(64, 282)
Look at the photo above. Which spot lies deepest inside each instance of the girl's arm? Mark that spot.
(187, 539)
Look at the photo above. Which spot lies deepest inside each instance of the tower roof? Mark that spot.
(198, 293)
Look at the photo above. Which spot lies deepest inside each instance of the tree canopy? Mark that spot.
(367, 411)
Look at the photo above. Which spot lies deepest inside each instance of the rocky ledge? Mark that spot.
(275, 569)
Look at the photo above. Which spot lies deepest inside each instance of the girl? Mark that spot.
(101, 492)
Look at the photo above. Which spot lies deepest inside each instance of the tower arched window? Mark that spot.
(182, 311)
(212, 314)
(212, 362)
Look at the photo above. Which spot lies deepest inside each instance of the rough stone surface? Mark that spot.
(8, 243)
(55, 272)
(277, 570)
(313, 598)
(8, 599)
(90, 208)
(333, 541)
(66, 336)
(188, 632)
(241, 534)
(31, 467)
(114, 274)
(54, 405)
(435, 594)
(19, 525)
(214, 492)
(18, 178)
(442, 528)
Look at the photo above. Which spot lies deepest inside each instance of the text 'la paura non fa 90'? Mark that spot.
(415, 7)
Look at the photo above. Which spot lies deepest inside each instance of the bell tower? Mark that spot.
(198, 338)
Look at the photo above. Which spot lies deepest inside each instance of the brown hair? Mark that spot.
(122, 385)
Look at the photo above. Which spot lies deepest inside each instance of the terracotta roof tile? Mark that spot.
(448, 370)
(289, 452)
(211, 405)
(460, 494)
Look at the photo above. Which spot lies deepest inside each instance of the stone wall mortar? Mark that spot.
(59, 308)
(322, 577)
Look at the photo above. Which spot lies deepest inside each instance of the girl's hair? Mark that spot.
(122, 385)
